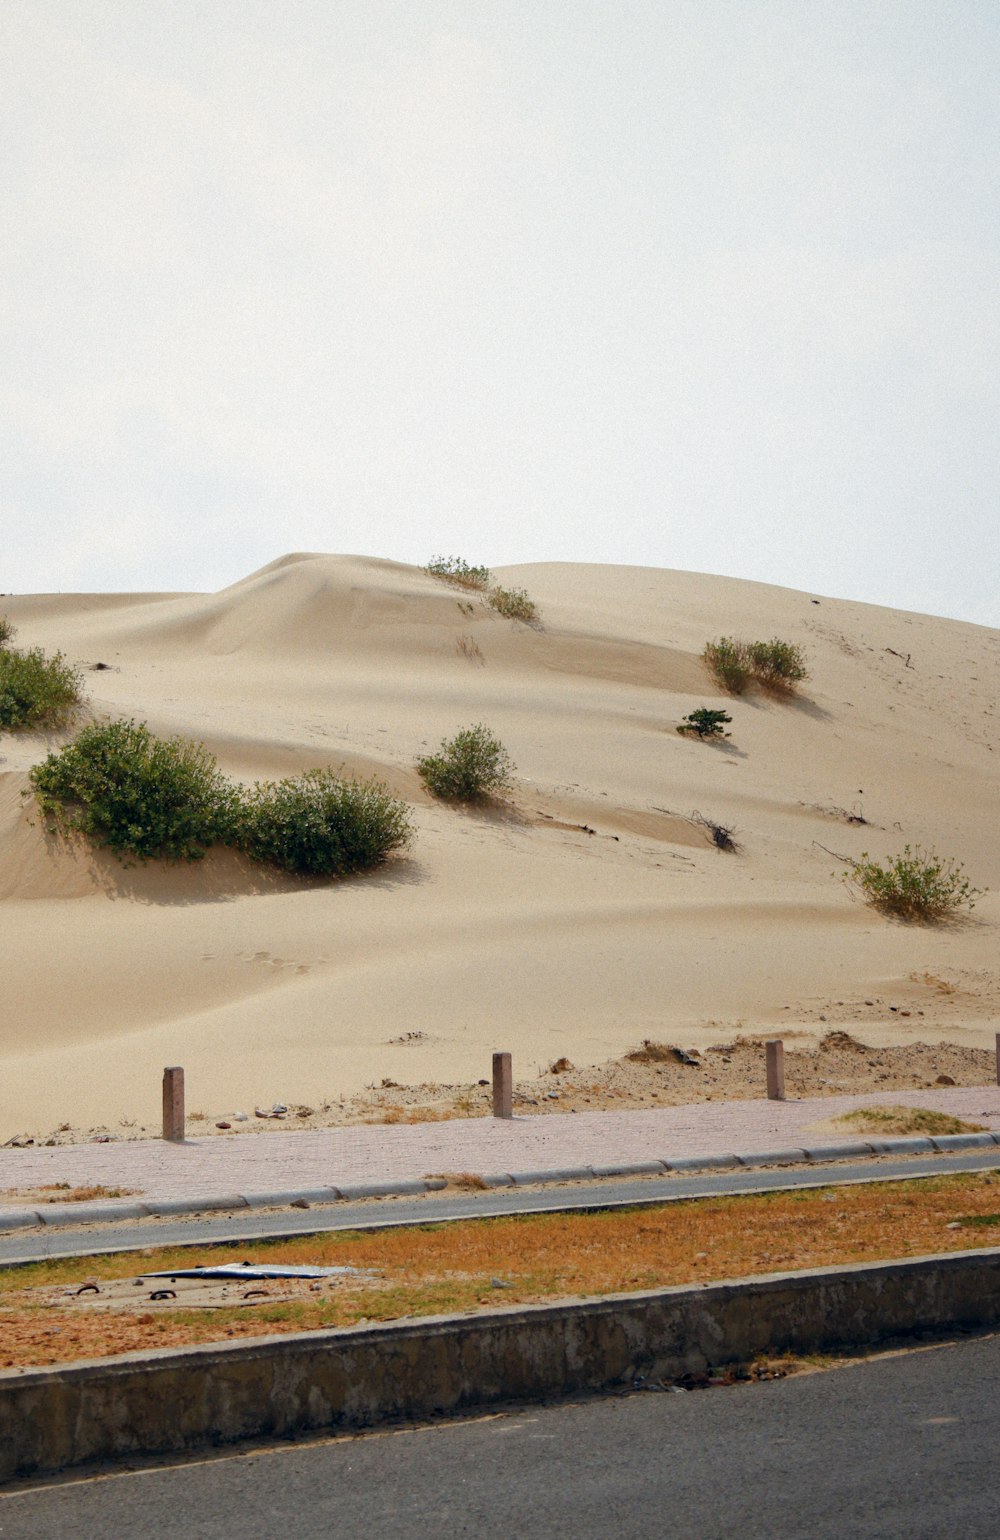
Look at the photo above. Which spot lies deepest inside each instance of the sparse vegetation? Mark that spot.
(319, 824)
(455, 569)
(774, 665)
(513, 603)
(37, 690)
(907, 1120)
(470, 648)
(722, 835)
(429, 1269)
(729, 661)
(916, 885)
(705, 723)
(144, 797)
(471, 767)
(777, 665)
(139, 795)
(8, 631)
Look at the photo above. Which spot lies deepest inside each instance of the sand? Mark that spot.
(587, 915)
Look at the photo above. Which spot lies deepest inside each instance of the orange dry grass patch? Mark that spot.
(440, 1268)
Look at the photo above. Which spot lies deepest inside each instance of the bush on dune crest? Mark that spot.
(512, 603)
(455, 569)
(144, 797)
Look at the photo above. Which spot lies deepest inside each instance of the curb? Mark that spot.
(175, 1399)
(67, 1214)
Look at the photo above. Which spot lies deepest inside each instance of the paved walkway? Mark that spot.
(288, 1161)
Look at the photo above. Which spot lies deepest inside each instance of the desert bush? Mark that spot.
(8, 630)
(514, 603)
(140, 795)
(454, 569)
(36, 690)
(470, 767)
(319, 824)
(777, 664)
(705, 723)
(917, 885)
(729, 660)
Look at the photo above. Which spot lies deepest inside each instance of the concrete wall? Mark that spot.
(172, 1400)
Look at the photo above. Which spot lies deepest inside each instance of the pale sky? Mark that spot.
(705, 284)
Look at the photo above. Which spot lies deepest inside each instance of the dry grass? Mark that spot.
(62, 1192)
(462, 1181)
(906, 1120)
(469, 648)
(485, 1263)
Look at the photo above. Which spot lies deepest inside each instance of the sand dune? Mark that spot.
(587, 915)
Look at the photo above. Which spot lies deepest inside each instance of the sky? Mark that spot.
(700, 284)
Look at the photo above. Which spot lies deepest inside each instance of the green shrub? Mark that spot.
(705, 723)
(729, 660)
(470, 767)
(917, 885)
(512, 602)
(8, 630)
(453, 569)
(139, 795)
(320, 825)
(777, 665)
(35, 690)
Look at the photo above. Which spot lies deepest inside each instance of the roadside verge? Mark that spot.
(339, 1380)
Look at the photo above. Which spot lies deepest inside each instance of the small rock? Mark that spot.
(552, 1096)
(869, 1002)
(956, 1224)
(300, 1203)
(482, 1082)
(944, 1080)
(500, 1283)
(223, 1125)
(241, 1117)
(278, 1110)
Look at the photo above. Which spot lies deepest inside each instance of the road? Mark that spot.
(901, 1447)
(35, 1245)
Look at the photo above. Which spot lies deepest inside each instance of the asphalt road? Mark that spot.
(896, 1448)
(34, 1245)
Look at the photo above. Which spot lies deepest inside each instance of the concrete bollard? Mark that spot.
(173, 1104)
(775, 1050)
(503, 1086)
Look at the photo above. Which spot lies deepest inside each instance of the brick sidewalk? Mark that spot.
(273, 1162)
